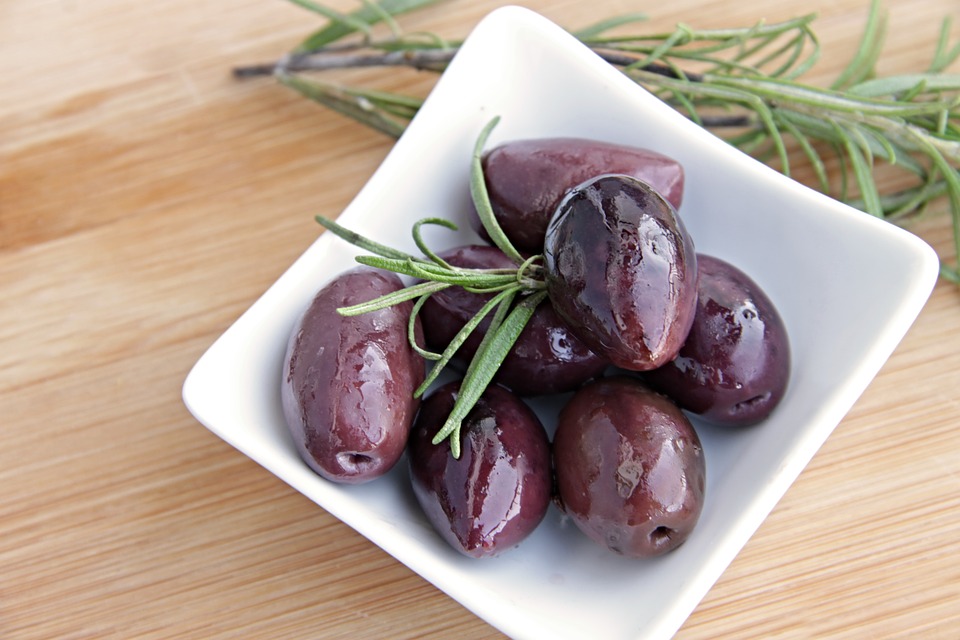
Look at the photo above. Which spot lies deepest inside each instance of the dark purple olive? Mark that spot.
(498, 491)
(630, 468)
(547, 357)
(348, 382)
(526, 180)
(734, 366)
(622, 271)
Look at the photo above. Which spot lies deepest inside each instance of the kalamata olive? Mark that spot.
(622, 271)
(526, 179)
(734, 366)
(348, 382)
(630, 468)
(547, 357)
(497, 492)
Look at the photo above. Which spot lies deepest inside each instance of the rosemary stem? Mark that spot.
(743, 78)
(427, 59)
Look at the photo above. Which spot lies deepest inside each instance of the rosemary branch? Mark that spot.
(524, 283)
(741, 82)
(419, 59)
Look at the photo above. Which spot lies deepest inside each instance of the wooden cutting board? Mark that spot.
(147, 198)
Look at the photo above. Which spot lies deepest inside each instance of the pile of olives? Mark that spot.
(638, 329)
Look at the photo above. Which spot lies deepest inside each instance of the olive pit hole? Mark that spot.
(353, 462)
(750, 403)
(661, 535)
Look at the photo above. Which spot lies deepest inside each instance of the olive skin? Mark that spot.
(498, 491)
(348, 382)
(527, 179)
(629, 466)
(547, 357)
(734, 367)
(622, 271)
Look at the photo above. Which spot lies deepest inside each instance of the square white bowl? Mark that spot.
(847, 285)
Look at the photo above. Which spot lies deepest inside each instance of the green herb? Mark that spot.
(742, 83)
(524, 283)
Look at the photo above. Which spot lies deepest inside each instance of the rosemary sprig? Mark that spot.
(745, 79)
(518, 292)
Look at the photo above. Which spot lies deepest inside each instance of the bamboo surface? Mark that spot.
(147, 199)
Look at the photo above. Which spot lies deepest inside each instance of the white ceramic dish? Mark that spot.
(847, 285)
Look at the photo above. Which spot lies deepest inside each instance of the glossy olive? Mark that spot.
(348, 382)
(497, 492)
(547, 357)
(629, 466)
(622, 271)
(526, 180)
(734, 367)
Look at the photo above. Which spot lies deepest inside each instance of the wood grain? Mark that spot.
(147, 198)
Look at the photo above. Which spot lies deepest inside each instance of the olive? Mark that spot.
(348, 382)
(621, 271)
(526, 179)
(734, 367)
(629, 466)
(547, 357)
(496, 493)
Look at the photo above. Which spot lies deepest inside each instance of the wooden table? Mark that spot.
(147, 198)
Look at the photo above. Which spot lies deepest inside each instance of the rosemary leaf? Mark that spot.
(418, 238)
(943, 55)
(904, 84)
(350, 23)
(862, 172)
(358, 240)
(819, 168)
(865, 60)
(592, 32)
(412, 330)
(504, 298)
(484, 366)
(396, 297)
(359, 20)
(419, 269)
(478, 190)
(342, 102)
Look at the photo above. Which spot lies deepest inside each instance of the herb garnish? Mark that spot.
(741, 83)
(518, 293)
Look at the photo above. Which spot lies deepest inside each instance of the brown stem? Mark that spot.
(619, 59)
(437, 59)
(420, 59)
